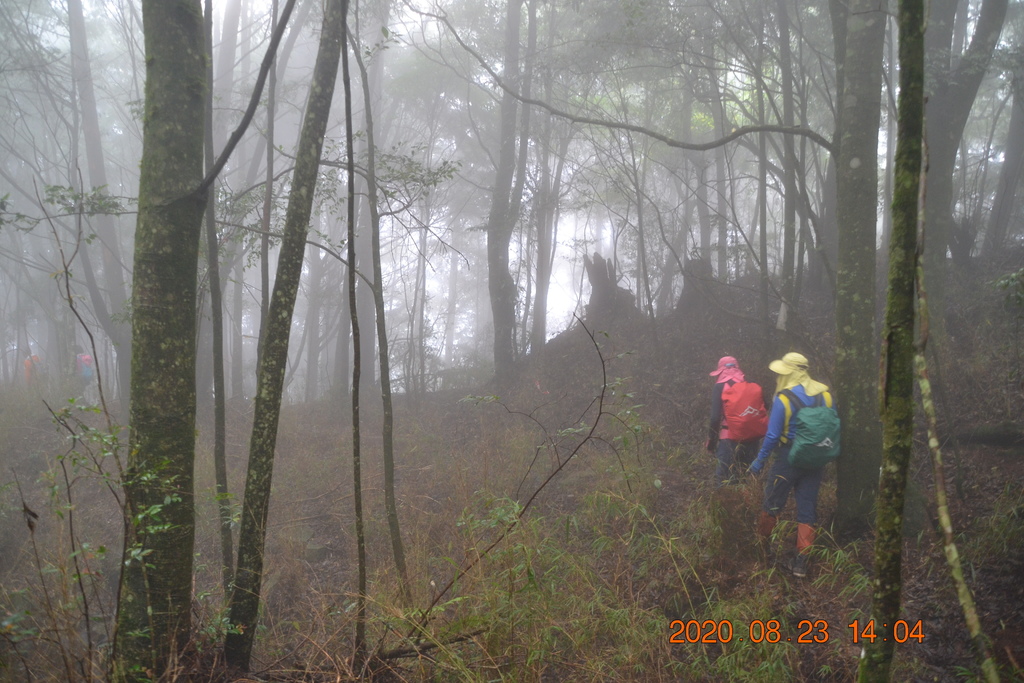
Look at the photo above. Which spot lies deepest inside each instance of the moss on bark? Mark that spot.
(857, 189)
(154, 609)
(245, 597)
(897, 381)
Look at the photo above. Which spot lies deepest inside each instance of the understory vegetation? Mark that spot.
(627, 548)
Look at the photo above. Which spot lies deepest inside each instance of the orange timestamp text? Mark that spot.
(771, 631)
(900, 632)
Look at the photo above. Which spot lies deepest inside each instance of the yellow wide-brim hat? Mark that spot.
(788, 364)
(792, 370)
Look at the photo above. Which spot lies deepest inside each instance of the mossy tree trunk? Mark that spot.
(154, 607)
(897, 398)
(857, 192)
(245, 597)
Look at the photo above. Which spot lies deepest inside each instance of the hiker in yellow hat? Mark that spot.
(788, 435)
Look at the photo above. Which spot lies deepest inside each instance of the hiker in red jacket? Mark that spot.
(738, 421)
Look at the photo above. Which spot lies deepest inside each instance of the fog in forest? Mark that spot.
(534, 228)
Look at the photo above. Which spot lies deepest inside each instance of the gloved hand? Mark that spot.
(756, 467)
(711, 445)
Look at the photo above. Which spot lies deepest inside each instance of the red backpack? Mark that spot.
(745, 415)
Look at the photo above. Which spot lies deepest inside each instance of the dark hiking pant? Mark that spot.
(804, 483)
(734, 457)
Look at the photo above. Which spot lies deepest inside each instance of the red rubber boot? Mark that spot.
(804, 541)
(765, 524)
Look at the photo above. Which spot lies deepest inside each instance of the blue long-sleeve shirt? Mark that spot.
(777, 422)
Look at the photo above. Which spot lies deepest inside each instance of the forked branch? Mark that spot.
(588, 435)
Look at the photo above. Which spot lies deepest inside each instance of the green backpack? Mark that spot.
(816, 436)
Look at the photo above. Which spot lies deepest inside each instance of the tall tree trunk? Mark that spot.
(857, 200)
(526, 268)
(638, 173)
(889, 106)
(223, 80)
(418, 338)
(342, 370)
(237, 331)
(542, 210)
(155, 600)
(106, 231)
(952, 83)
(390, 504)
(762, 186)
(547, 223)
(282, 57)
(721, 179)
(500, 221)
(314, 305)
(703, 214)
(364, 262)
(343, 348)
(221, 89)
(220, 466)
(789, 164)
(359, 644)
(1009, 174)
(364, 265)
(897, 397)
(268, 202)
(722, 195)
(245, 597)
(453, 303)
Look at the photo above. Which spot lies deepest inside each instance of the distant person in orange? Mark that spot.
(33, 369)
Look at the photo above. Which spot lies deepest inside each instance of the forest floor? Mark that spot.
(625, 543)
(653, 536)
